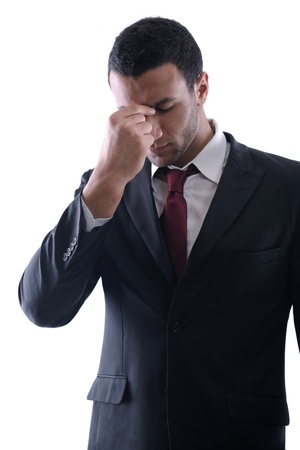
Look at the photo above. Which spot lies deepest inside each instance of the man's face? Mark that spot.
(175, 125)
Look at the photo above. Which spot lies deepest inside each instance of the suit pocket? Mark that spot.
(108, 389)
(257, 410)
(254, 259)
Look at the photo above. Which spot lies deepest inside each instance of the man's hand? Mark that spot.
(124, 150)
(127, 140)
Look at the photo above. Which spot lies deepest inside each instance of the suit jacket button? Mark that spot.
(65, 257)
(175, 327)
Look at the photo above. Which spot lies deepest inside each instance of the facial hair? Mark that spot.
(180, 152)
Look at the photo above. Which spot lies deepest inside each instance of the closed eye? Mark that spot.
(163, 110)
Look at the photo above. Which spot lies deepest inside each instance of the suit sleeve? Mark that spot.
(64, 270)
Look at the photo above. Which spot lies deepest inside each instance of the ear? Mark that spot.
(201, 88)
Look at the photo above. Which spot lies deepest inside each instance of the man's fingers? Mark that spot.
(137, 110)
(145, 127)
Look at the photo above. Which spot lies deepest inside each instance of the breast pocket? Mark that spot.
(244, 260)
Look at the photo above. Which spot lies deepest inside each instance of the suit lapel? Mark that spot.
(140, 204)
(238, 183)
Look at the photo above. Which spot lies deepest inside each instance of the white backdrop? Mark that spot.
(54, 100)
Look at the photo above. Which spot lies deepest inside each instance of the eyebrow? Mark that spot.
(159, 103)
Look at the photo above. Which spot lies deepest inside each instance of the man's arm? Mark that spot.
(63, 272)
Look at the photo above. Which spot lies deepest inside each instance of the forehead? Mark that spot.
(149, 88)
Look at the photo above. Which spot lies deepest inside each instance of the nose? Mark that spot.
(156, 128)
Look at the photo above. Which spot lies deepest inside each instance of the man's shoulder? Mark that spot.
(260, 158)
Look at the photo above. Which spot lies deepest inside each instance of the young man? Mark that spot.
(193, 352)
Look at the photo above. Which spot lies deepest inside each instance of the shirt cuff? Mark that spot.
(90, 221)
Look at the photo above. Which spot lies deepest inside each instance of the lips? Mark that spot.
(159, 149)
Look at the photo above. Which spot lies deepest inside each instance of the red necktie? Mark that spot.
(174, 217)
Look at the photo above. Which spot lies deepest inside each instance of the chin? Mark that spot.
(163, 161)
(157, 161)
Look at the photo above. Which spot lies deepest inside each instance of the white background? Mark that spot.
(54, 101)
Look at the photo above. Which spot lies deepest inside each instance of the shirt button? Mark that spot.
(175, 327)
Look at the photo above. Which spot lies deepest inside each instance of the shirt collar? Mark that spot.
(212, 158)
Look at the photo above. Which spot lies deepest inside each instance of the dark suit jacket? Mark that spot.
(200, 363)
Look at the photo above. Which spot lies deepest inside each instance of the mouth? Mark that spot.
(158, 149)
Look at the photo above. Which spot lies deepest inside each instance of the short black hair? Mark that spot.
(152, 42)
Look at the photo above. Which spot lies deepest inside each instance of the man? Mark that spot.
(193, 354)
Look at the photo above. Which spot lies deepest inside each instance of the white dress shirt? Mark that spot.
(199, 189)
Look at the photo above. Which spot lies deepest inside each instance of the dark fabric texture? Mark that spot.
(196, 364)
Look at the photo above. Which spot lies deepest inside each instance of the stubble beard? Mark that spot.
(177, 154)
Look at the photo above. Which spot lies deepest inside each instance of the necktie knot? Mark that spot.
(176, 177)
